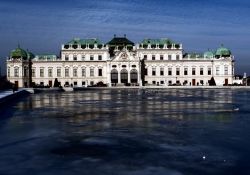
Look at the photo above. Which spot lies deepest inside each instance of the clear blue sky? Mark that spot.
(43, 25)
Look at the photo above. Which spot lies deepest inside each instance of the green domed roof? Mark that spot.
(222, 51)
(208, 54)
(18, 53)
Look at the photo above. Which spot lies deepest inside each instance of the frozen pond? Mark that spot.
(127, 132)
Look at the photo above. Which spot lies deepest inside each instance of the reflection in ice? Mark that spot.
(131, 131)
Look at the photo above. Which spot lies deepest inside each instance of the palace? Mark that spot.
(120, 62)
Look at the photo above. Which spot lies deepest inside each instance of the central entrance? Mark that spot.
(124, 76)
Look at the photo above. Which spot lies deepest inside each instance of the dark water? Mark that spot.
(120, 132)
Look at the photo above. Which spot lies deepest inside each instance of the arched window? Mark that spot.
(114, 76)
(124, 76)
(134, 76)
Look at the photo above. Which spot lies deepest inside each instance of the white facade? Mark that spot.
(88, 62)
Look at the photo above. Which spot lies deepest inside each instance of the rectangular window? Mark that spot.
(162, 71)
(75, 57)
(66, 57)
(153, 82)
(185, 71)
(153, 57)
(226, 70)
(169, 57)
(83, 83)
(16, 72)
(209, 71)
(145, 57)
(99, 72)
(75, 72)
(169, 71)
(193, 71)
(201, 71)
(33, 72)
(91, 57)
(162, 82)
(153, 71)
(50, 72)
(177, 57)
(217, 70)
(177, 71)
(41, 72)
(99, 57)
(66, 72)
(83, 72)
(161, 57)
(58, 72)
(91, 72)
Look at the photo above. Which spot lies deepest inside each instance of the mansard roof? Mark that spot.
(160, 41)
(46, 57)
(89, 41)
(120, 41)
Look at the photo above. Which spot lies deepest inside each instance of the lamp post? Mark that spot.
(245, 78)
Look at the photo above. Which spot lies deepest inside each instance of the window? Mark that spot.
(162, 71)
(177, 71)
(83, 57)
(66, 72)
(193, 71)
(41, 72)
(83, 83)
(91, 72)
(169, 71)
(83, 72)
(169, 57)
(8, 72)
(50, 72)
(145, 57)
(177, 57)
(66, 57)
(91, 57)
(185, 71)
(75, 72)
(226, 70)
(209, 71)
(201, 71)
(58, 72)
(153, 71)
(162, 82)
(217, 70)
(99, 72)
(99, 57)
(75, 83)
(153, 57)
(161, 57)
(74, 57)
(201, 82)
(153, 82)
(33, 72)
(16, 72)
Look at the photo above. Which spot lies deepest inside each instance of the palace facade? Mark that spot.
(120, 62)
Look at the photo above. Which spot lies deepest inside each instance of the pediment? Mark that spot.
(125, 56)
